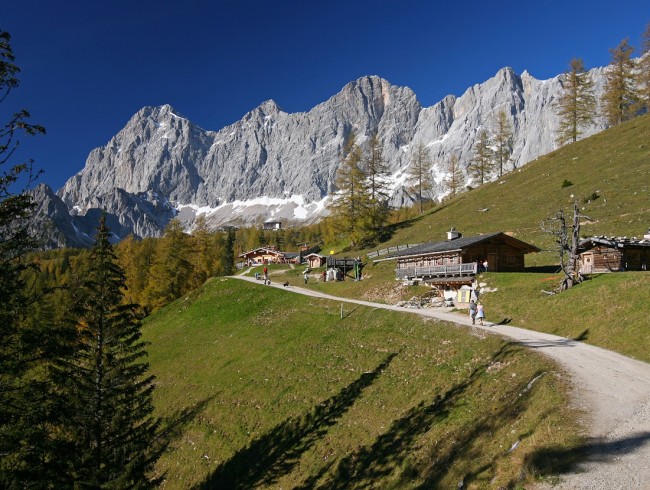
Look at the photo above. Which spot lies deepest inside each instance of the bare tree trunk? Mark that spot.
(557, 227)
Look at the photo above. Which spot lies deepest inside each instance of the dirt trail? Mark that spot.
(612, 389)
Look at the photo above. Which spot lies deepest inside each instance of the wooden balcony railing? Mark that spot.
(450, 270)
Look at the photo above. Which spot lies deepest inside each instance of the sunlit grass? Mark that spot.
(266, 388)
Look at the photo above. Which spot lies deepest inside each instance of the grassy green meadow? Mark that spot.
(260, 387)
(609, 310)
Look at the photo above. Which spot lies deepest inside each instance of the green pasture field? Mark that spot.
(259, 387)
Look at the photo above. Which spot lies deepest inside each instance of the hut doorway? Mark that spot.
(492, 262)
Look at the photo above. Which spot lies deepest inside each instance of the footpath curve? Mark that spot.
(612, 389)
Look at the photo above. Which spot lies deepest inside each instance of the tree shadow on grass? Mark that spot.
(275, 453)
(172, 428)
(543, 269)
(552, 461)
(372, 463)
(582, 337)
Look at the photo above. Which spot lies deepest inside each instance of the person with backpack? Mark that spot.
(472, 311)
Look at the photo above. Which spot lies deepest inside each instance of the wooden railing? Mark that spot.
(388, 250)
(467, 269)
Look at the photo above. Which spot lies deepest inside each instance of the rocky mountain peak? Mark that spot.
(162, 165)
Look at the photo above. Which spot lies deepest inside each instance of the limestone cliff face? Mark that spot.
(272, 164)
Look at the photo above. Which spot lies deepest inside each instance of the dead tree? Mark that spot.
(566, 246)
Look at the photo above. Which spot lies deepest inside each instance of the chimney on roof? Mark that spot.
(453, 234)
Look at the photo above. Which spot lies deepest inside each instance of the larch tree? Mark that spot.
(644, 71)
(111, 426)
(576, 107)
(352, 198)
(202, 253)
(454, 179)
(171, 269)
(420, 175)
(376, 170)
(502, 140)
(135, 258)
(377, 173)
(482, 162)
(620, 97)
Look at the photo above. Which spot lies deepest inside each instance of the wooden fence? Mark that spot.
(388, 250)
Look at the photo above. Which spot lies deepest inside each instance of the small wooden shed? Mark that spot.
(614, 254)
(315, 260)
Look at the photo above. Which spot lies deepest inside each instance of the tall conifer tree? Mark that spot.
(377, 175)
(454, 178)
(171, 268)
(350, 208)
(644, 70)
(111, 424)
(26, 411)
(482, 163)
(576, 106)
(420, 174)
(228, 254)
(503, 141)
(619, 101)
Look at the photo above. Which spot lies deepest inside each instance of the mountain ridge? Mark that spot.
(292, 158)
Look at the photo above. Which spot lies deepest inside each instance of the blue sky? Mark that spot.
(88, 66)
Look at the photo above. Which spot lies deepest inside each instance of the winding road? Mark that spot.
(612, 389)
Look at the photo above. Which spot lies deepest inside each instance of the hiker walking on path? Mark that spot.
(480, 313)
(266, 276)
(472, 311)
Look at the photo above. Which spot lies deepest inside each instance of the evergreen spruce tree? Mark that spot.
(576, 106)
(420, 175)
(228, 254)
(111, 427)
(483, 162)
(503, 141)
(453, 180)
(27, 413)
(620, 98)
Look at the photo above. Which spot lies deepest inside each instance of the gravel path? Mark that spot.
(612, 389)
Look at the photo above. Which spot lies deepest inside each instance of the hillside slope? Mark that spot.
(263, 388)
(610, 177)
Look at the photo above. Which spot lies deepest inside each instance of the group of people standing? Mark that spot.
(476, 312)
